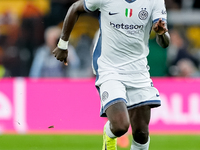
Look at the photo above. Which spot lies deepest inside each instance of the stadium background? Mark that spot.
(27, 109)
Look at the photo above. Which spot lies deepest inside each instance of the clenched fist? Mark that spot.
(61, 55)
(160, 27)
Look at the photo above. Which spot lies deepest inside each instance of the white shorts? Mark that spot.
(114, 91)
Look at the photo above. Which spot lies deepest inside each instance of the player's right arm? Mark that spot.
(61, 52)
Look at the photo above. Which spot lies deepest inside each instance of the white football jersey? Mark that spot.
(122, 47)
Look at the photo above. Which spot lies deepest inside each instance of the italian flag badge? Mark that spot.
(128, 12)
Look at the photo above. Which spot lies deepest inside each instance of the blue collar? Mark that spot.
(130, 1)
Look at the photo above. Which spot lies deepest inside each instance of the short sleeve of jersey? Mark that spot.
(92, 5)
(159, 11)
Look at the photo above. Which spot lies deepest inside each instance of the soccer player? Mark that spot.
(120, 64)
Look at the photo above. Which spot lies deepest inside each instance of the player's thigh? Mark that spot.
(113, 104)
(140, 117)
(118, 114)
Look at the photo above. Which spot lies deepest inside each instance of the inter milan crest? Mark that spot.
(104, 95)
(143, 14)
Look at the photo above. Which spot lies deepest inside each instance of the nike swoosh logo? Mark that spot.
(112, 13)
(157, 95)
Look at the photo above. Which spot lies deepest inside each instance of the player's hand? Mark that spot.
(61, 55)
(160, 27)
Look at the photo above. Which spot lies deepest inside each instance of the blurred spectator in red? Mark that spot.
(9, 29)
(32, 28)
(31, 36)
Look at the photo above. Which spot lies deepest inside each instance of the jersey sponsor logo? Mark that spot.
(143, 14)
(126, 26)
(128, 12)
(133, 32)
(110, 13)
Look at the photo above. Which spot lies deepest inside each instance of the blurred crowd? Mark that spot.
(28, 38)
(182, 4)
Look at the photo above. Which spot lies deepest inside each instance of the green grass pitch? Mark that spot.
(91, 142)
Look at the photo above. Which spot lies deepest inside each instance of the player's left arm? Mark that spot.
(162, 35)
